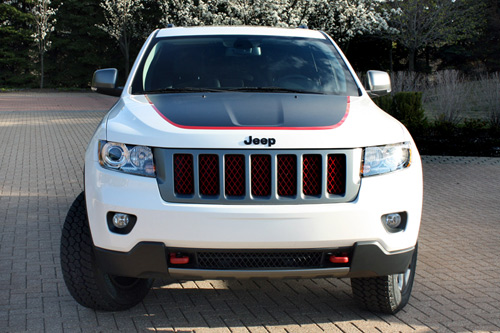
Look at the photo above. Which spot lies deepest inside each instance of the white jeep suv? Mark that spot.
(244, 152)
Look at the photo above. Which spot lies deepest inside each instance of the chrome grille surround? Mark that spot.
(164, 159)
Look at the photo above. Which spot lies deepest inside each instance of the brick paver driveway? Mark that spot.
(43, 138)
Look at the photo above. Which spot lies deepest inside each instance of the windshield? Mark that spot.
(243, 63)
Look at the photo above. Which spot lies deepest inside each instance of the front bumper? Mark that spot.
(150, 260)
(217, 226)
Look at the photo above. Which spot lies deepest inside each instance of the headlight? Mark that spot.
(137, 160)
(384, 159)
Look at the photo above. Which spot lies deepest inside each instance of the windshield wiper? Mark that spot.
(181, 90)
(239, 89)
(275, 89)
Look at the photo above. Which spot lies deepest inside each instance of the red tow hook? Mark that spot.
(339, 259)
(178, 259)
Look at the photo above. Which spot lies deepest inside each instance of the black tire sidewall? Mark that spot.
(86, 281)
(381, 293)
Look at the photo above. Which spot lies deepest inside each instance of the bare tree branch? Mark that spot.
(44, 25)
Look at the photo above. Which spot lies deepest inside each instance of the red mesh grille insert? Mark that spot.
(261, 175)
(209, 175)
(234, 175)
(183, 174)
(287, 175)
(336, 174)
(311, 176)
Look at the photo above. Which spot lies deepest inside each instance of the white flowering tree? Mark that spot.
(121, 24)
(217, 12)
(342, 18)
(184, 13)
(44, 18)
(278, 13)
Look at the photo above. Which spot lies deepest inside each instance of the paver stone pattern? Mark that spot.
(43, 138)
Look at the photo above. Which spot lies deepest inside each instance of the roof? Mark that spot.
(239, 30)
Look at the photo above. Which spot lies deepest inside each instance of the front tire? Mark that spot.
(386, 294)
(86, 282)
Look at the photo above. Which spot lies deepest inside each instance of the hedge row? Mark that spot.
(471, 137)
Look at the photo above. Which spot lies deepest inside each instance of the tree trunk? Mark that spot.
(41, 70)
(411, 60)
(427, 58)
(391, 64)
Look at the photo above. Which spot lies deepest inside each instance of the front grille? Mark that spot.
(256, 176)
(268, 260)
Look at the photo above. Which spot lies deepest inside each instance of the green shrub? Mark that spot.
(494, 123)
(444, 128)
(474, 127)
(407, 108)
(384, 102)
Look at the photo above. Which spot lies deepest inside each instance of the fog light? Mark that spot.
(121, 220)
(120, 223)
(393, 220)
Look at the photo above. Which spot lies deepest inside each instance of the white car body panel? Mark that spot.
(252, 226)
(134, 120)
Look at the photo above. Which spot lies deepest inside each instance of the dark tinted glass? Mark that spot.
(244, 63)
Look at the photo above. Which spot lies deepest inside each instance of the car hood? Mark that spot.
(227, 120)
(250, 110)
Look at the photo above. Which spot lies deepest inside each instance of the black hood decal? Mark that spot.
(251, 110)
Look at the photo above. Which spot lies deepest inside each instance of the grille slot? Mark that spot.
(256, 176)
(248, 260)
(209, 174)
(261, 175)
(287, 175)
(235, 175)
(311, 174)
(183, 174)
(336, 174)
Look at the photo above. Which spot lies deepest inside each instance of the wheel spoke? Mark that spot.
(403, 279)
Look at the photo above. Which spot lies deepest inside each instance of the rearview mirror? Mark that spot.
(379, 83)
(104, 82)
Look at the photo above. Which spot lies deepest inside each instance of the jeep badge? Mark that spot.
(256, 141)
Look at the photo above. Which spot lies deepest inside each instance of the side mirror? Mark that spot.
(379, 83)
(104, 82)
